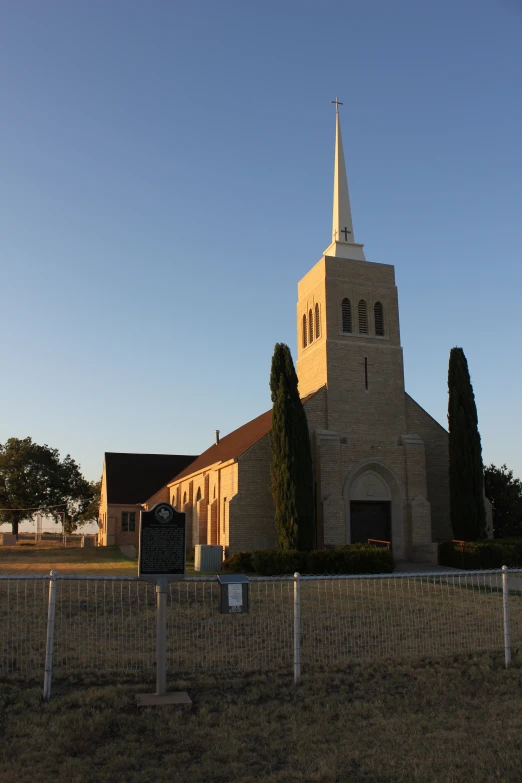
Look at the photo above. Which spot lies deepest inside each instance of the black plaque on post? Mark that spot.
(162, 560)
(162, 543)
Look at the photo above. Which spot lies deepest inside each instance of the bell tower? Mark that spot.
(348, 329)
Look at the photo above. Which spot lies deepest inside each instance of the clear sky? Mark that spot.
(166, 173)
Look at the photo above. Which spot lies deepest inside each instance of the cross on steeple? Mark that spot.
(337, 104)
(345, 232)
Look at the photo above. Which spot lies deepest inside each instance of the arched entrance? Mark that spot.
(373, 503)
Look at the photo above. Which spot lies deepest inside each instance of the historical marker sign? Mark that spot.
(162, 560)
(162, 543)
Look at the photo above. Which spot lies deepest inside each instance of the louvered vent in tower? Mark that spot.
(305, 334)
(347, 316)
(379, 319)
(317, 322)
(363, 317)
(310, 327)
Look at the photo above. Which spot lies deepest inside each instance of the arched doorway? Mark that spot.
(373, 503)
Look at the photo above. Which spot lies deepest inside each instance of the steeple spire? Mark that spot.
(343, 244)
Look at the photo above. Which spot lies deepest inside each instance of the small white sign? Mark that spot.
(235, 595)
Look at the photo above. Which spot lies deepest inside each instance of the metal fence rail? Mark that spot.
(107, 624)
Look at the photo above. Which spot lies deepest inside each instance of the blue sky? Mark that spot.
(166, 180)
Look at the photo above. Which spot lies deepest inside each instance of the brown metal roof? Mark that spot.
(132, 478)
(234, 444)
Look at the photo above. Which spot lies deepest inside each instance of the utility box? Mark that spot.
(234, 593)
(7, 539)
(208, 558)
(87, 541)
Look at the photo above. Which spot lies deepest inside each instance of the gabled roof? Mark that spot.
(234, 444)
(132, 478)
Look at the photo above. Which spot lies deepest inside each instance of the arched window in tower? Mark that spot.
(310, 327)
(317, 322)
(378, 314)
(347, 316)
(305, 333)
(184, 498)
(198, 495)
(363, 317)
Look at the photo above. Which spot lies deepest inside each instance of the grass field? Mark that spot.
(429, 722)
(108, 561)
(98, 561)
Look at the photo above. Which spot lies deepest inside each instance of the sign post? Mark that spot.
(162, 558)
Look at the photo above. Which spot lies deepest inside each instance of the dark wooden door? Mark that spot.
(370, 520)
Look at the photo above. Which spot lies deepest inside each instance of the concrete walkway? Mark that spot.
(491, 580)
(407, 567)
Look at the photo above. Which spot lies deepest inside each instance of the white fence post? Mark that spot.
(297, 628)
(161, 636)
(50, 637)
(507, 630)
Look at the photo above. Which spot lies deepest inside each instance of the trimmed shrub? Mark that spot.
(347, 559)
(239, 563)
(481, 554)
(351, 559)
(273, 562)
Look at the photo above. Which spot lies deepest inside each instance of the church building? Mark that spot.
(380, 461)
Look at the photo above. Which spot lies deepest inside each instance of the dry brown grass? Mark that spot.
(424, 721)
(103, 626)
(106, 561)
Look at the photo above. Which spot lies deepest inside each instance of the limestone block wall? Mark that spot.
(212, 522)
(115, 533)
(338, 457)
(228, 503)
(201, 515)
(102, 513)
(377, 411)
(435, 440)
(257, 528)
(161, 496)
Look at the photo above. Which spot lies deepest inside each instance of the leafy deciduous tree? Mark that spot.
(34, 479)
(505, 494)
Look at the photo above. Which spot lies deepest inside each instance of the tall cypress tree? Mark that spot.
(291, 468)
(466, 473)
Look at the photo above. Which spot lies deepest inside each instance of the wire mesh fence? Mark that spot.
(105, 625)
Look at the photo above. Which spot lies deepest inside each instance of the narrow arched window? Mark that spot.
(363, 317)
(198, 495)
(184, 498)
(317, 322)
(378, 314)
(347, 316)
(310, 327)
(305, 333)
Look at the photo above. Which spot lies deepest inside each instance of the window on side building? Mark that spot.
(128, 522)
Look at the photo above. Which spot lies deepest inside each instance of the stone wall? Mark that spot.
(435, 440)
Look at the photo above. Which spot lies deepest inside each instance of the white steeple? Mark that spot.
(343, 244)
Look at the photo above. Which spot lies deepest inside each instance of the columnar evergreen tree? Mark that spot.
(468, 518)
(291, 469)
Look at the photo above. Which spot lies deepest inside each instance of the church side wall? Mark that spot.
(102, 513)
(161, 496)
(252, 514)
(114, 512)
(315, 410)
(228, 504)
(435, 440)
